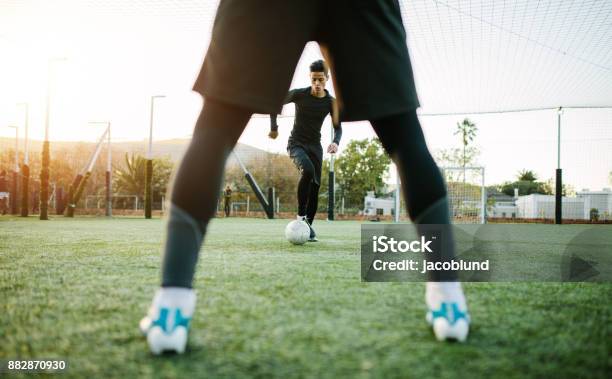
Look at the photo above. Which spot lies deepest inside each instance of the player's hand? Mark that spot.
(332, 148)
(273, 134)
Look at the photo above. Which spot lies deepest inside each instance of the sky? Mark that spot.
(102, 60)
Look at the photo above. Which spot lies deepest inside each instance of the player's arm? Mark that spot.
(273, 124)
(335, 115)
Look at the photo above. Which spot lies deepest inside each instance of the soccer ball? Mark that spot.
(297, 232)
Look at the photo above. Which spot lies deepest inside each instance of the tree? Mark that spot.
(566, 189)
(360, 168)
(527, 175)
(464, 156)
(457, 157)
(527, 184)
(130, 178)
(467, 130)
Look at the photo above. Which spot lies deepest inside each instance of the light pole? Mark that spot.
(14, 196)
(109, 205)
(559, 174)
(25, 168)
(44, 171)
(149, 168)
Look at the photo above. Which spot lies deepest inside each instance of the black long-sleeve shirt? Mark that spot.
(310, 111)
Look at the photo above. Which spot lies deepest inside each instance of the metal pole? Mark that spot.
(270, 210)
(44, 172)
(149, 167)
(559, 174)
(16, 147)
(483, 217)
(108, 178)
(26, 159)
(25, 171)
(109, 182)
(14, 195)
(46, 154)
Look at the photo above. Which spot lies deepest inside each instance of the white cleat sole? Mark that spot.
(160, 342)
(444, 331)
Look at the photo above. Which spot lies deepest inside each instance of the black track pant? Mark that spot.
(308, 159)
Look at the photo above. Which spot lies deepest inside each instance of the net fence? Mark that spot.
(518, 151)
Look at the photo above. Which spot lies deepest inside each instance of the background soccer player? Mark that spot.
(312, 105)
(248, 69)
(227, 199)
(4, 194)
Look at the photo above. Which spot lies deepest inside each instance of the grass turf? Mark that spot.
(76, 289)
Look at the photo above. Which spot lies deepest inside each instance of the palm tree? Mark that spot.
(467, 130)
(130, 179)
(527, 176)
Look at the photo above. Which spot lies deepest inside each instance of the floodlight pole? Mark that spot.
(14, 194)
(25, 168)
(44, 172)
(149, 167)
(109, 205)
(109, 198)
(559, 174)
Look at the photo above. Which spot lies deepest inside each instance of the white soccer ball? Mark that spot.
(297, 232)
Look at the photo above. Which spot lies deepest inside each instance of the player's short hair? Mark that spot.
(319, 66)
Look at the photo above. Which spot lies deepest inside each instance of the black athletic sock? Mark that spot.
(196, 189)
(423, 186)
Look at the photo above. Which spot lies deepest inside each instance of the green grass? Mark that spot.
(76, 289)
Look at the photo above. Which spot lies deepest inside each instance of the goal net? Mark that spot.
(466, 193)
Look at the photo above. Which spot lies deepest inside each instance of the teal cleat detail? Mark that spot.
(449, 322)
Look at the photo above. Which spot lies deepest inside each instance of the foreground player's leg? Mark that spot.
(426, 198)
(194, 197)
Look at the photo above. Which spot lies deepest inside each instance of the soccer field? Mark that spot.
(76, 288)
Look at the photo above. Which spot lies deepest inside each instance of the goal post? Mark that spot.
(466, 193)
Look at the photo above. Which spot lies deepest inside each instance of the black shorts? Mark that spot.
(256, 45)
(307, 157)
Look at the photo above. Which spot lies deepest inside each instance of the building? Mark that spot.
(575, 208)
(601, 201)
(502, 206)
(543, 206)
(373, 206)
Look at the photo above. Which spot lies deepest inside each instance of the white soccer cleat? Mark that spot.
(167, 323)
(447, 311)
(449, 323)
